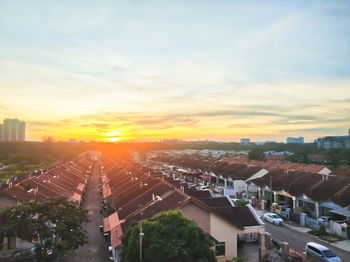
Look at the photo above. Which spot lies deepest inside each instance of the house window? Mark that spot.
(220, 249)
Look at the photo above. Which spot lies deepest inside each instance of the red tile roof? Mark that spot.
(313, 169)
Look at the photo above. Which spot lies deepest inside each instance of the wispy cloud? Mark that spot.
(176, 69)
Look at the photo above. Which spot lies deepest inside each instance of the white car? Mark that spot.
(273, 218)
(321, 253)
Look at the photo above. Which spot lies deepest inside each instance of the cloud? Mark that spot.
(185, 67)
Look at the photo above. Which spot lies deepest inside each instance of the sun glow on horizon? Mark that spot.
(113, 136)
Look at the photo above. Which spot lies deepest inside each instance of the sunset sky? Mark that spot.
(194, 70)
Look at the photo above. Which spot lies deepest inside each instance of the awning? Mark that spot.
(76, 197)
(104, 178)
(80, 187)
(106, 190)
(342, 211)
(110, 222)
(330, 205)
(116, 234)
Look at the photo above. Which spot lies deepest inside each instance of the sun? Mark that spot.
(113, 136)
(113, 133)
(113, 139)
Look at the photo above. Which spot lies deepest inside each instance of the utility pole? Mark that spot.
(141, 235)
(271, 194)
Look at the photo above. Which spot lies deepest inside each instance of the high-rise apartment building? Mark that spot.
(245, 141)
(328, 142)
(295, 140)
(12, 130)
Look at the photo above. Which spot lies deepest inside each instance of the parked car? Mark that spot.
(324, 219)
(321, 253)
(273, 218)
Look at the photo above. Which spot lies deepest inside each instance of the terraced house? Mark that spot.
(133, 193)
(66, 179)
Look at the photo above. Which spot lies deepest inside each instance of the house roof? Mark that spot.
(216, 202)
(171, 202)
(239, 216)
(197, 193)
(313, 169)
(139, 201)
(329, 189)
(342, 170)
(316, 157)
(18, 193)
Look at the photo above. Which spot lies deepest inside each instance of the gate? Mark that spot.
(312, 223)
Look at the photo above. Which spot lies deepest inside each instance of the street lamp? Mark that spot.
(141, 235)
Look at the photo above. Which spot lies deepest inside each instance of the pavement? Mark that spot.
(297, 237)
(96, 250)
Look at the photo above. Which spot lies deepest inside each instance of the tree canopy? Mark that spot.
(257, 154)
(52, 226)
(168, 236)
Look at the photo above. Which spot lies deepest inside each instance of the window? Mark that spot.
(315, 250)
(220, 249)
(328, 253)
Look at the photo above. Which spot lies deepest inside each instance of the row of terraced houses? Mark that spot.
(67, 179)
(133, 192)
(308, 194)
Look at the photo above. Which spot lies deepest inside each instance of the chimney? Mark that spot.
(153, 198)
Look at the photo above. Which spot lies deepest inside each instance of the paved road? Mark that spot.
(96, 249)
(298, 240)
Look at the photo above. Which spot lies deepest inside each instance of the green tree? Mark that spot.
(52, 226)
(168, 236)
(300, 157)
(257, 154)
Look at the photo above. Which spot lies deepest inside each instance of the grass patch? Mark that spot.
(20, 170)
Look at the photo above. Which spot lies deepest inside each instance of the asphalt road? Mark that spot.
(96, 249)
(298, 240)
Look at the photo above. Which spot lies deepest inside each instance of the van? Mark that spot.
(321, 253)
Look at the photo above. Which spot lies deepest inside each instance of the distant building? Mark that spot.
(12, 130)
(328, 142)
(265, 142)
(245, 141)
(333, 142)
(295, 140)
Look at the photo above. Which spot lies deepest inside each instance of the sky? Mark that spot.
(194, 70)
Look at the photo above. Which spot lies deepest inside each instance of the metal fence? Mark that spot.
(295, 218)
(312, 223)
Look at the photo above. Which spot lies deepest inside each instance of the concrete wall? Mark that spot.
(222, 230)
(197, 214)
(325, 171)
(240, 186)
